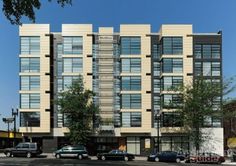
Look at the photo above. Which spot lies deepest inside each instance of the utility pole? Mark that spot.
(158, 116)
(14, 113)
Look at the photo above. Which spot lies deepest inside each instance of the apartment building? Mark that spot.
(132, 73)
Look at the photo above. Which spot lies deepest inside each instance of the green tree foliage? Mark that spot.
(76, 103)
(199, 105)
(14, 10)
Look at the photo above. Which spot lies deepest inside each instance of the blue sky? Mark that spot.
(205, 15)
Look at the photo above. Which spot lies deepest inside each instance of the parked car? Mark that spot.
(78, 151)
(27, 149)
(115, 155)
(166, 156)
(206, 158)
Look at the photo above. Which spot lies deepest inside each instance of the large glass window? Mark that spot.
(172, 45)
(130, 45)
(131, 65)
(131, 119)
(131, 101)
(73, 45)
(30, 119)
(131, 83)
(68, 80)
(172, 100)
(73, 65)
(207, 51)
(171, 119)
(206, 71)
(29, 65)
(30, 82)
(30, 101)
(170, 83)
(207, 68)
(172, 65)
(30, 45)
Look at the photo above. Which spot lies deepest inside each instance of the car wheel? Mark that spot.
(126, 158)
(28, 155)
(157, 159)
(103, 158)
(80, 157)
(58, 156)
(8, 154)
(177, 160)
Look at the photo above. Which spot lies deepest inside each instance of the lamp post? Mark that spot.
(14, 113)
(158, 132)
(8, 121)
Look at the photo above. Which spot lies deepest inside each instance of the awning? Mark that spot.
(231, 142)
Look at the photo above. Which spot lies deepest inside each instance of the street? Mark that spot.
(21, 161)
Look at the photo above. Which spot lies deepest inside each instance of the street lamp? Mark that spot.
(14, 113)
(8, 121)
(158, 116)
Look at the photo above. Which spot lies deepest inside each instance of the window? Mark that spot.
(209, 121)
(215, 68)
(73, 45)
(171, 101)
(156, 85)
(59, 51)
(29, 65)
(156, 51)
(156, 102)
(172, 45)
(68, 80)
(131, 101)
(171, 119)
(30, 45)
(170, 83)
(207, 68)
(198, 68)
(171, 65)
(30, 82)
(73, 65)
(131, 65)
(131, 119)
(30, 101)
(130, 45)
(25, 146)
(156, 68)
(207, 51)
(30, 119)
(131, 83)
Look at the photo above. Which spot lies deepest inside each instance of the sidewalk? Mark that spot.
(228, 162)
(137, 158)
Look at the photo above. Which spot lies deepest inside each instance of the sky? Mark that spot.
(205, 15)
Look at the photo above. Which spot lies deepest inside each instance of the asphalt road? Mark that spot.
(20, 161)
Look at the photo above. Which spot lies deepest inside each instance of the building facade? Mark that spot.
(132, 73)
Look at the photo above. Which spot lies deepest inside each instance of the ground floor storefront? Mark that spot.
(138, 145)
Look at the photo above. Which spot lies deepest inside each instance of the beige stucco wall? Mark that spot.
(179, 31)
(39, 30)
(81, 30)
(140, 30)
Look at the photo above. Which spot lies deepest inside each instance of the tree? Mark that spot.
(200, 104)
(76, 103)
(15, 9)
